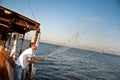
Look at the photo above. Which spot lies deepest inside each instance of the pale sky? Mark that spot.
(89, 23)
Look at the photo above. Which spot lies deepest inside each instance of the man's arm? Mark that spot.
(30, 60)
(39, 58)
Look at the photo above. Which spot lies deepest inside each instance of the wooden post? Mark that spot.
(15, 37)
(22, 43)
(7, 42)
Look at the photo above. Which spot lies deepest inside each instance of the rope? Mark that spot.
(31, 10)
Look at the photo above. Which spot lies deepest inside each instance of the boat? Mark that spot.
(14, 26)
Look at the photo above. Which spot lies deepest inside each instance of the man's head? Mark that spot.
(33, 46)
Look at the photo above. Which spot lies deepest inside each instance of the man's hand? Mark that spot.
(44, 58)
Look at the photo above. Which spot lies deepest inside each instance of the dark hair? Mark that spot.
(31, 44)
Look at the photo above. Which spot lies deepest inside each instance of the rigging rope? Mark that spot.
(31, 10)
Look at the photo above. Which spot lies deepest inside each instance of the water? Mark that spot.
(75, 64)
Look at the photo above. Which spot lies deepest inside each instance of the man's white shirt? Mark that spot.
(22, 59)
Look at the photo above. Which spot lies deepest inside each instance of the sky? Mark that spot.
(86, 23)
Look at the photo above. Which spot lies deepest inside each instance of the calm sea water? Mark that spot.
(66, 63)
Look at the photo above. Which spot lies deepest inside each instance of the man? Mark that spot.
(23, 60)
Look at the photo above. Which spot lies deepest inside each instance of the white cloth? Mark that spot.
(22, 59)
